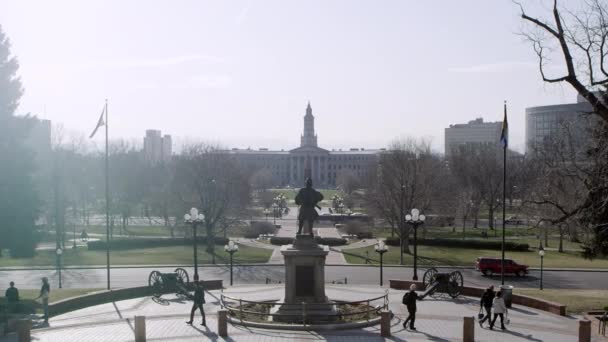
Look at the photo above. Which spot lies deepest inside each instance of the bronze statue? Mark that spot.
(308, 198)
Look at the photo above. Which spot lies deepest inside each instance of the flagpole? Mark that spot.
(504, 204)
(107, 201)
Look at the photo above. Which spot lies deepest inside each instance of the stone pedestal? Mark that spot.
(305, 283)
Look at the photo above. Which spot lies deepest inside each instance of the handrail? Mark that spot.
(231, 300)
(283, 303)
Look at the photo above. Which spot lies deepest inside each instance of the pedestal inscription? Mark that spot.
(305, 283)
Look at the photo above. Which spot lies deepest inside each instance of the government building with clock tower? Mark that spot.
(292, 167)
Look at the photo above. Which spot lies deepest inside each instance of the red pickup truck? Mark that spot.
(490, 266)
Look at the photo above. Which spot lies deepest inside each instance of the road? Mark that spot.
(257, 274)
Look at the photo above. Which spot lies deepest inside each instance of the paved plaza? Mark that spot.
(438, 320)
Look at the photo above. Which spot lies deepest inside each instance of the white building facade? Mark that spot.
(308, 160)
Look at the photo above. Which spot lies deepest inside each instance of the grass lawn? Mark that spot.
(157, 255)
(576, 300)
(434, 255)
(519, 235)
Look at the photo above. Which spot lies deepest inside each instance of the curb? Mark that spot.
(93, 267)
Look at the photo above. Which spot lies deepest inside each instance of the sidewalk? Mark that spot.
(437, 320)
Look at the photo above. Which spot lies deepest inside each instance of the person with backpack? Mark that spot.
(500, 309)
(409, 300)
(487, 299)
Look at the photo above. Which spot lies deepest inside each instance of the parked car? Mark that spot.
(490, 266)
(516, 220)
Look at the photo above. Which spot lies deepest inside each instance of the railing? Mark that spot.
(338, 281)
(307, 309)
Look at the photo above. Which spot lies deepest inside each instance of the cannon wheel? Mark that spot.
(428, 278)
(455, 283)
(182, 276)
(155, 281)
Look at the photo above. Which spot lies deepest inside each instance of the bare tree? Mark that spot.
(478, 169)
(558, 188)
(209, 179)
(348, 181)
(408, 177)
(578, 38)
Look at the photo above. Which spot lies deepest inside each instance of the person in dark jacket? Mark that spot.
(197, 301)
(12, 297)
(409, 299)
(487, 299)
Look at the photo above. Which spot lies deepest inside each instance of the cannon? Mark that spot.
(441, 284)
(177, 282)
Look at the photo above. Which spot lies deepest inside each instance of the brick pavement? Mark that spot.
(438, 320)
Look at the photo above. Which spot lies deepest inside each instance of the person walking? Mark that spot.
(197, 301)
(45, 291)
(500, 309)
(409, 299)
(12, 298)
(487, 299)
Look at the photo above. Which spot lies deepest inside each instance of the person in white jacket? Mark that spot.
(500, 309)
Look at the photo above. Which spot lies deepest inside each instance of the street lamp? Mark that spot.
(381, 248)
(275, 208)
(59, 252)
(231, 248)
(541, 252)
(194, 218)
(415, 219)
(266, 212)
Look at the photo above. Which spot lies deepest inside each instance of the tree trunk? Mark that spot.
(561, 240)
(464, 226)
(476, 220)
(491, 217)
(210, 242)
(406, 240)
(547, 236)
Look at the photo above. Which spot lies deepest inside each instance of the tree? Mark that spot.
(408, 177)
(348, 181)
(126, 181)
(579, 40)
(19, 199)
(478, 168)
(210, 180)
(160, 197)
(558, 185)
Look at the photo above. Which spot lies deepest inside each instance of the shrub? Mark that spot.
(125, 244)
(475, 244)
(259, 227)
(280, 241)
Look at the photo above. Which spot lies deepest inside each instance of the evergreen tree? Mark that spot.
(18, 196)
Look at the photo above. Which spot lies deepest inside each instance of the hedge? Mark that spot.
(328, 241)
(477, 244)
(124, 244)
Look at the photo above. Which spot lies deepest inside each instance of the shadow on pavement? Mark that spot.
(528, 337)
(531, 313)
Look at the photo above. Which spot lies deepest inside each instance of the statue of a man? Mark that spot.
(308, 198)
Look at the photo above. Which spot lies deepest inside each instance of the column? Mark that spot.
(319, 169)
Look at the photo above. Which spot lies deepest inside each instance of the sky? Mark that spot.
(240, 73)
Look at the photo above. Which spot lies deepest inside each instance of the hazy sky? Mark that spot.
(241, 72)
